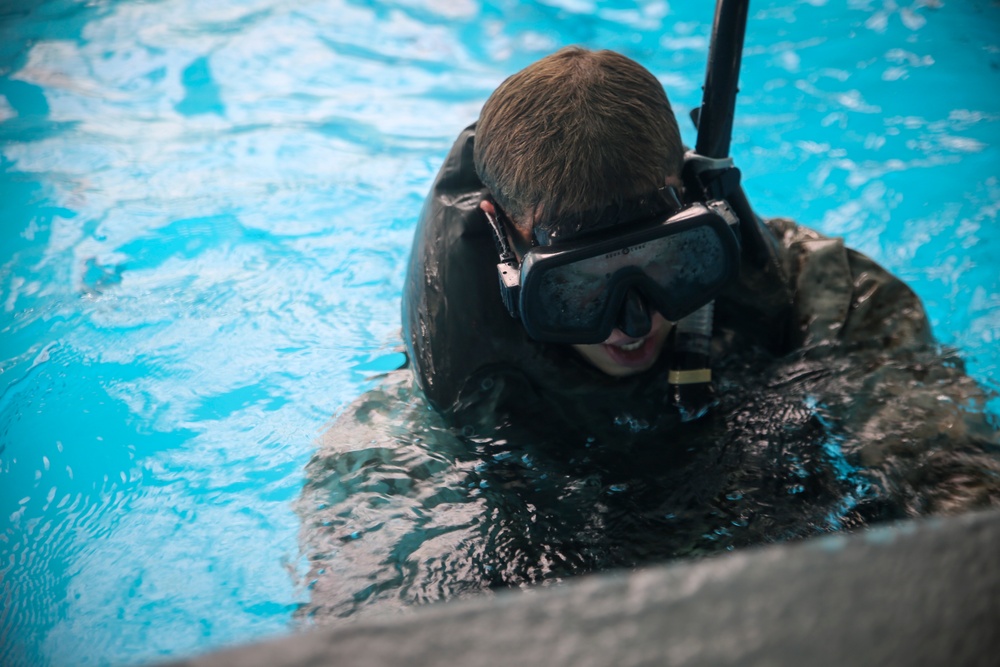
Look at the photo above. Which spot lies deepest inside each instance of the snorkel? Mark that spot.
(708, 169)
(709, 175)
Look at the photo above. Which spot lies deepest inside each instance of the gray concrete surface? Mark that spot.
(917, 593)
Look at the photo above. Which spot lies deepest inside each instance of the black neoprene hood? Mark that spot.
(463, 343)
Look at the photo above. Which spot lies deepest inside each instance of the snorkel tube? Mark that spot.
(709, 175)
(708, 169)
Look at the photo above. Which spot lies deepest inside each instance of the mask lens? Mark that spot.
(679, 272)
(685, 266)
(572, 300)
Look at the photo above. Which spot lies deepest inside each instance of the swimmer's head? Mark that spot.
(575, 131)
(580, 131)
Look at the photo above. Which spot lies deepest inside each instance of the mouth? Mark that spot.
(621, 355)
(628, 347)
(631, 353)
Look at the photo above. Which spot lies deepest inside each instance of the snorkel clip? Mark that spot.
(710, 178)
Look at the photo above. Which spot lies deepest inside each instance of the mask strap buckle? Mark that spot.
(508, 270)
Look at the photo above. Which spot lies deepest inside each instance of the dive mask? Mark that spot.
(572, 291)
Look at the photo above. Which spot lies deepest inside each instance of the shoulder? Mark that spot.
(842, 295)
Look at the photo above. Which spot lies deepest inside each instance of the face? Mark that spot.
(620, 355)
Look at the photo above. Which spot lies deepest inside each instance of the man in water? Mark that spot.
(552, 171)
(577, 149)
(592, 411)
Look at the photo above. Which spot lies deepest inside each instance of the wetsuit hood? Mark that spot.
(467, 351)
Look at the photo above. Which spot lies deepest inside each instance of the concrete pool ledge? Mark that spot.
(923, 592)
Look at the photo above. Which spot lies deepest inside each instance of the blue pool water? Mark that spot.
(205, 214)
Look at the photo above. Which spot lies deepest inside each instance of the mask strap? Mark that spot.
(504, 250)
(664, 200)
(508, 269)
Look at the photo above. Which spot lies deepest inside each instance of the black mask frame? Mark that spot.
(700, 242)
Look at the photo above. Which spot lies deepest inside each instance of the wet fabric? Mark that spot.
(401, 508)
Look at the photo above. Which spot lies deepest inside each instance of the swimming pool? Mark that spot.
(206, 217)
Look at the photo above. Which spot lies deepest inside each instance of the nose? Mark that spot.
(634, 318)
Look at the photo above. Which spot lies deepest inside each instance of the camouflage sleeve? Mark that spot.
(843, 297)
(906, 411)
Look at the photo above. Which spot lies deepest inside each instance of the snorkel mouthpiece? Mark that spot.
(634, 319)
